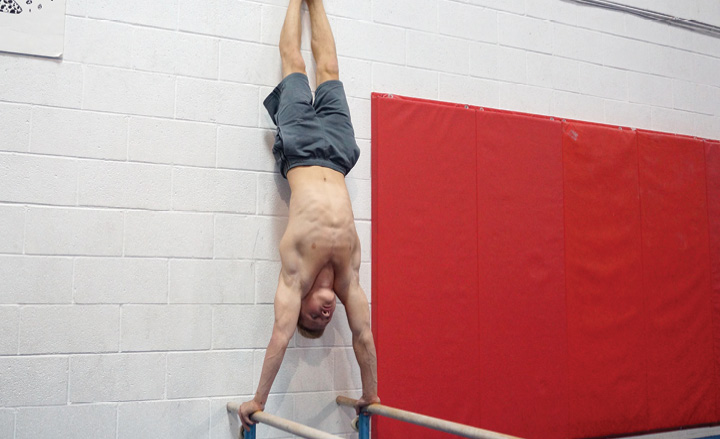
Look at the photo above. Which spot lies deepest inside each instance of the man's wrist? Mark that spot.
(260, 402)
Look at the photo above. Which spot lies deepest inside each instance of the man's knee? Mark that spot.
(328, 68)
(292, 60)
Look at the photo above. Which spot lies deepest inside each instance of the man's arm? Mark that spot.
(287, 310)
(358, 313)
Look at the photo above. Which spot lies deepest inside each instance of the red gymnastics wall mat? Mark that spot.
(418, 340)
(541, 278)
(712, 160)
(676, 276)
(520, 253)
(605, 299)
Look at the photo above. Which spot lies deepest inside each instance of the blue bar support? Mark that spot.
(249, 434)
(364, 426)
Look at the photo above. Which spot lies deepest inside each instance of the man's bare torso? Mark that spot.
(321, 229)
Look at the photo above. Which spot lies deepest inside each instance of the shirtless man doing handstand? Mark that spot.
(320, 251)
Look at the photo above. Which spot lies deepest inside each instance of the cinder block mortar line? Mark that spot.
(230, 350)
(77, 178)
(687, 112)
(152, 116)
(109, 208)
(167, 270)
(70, 257)
(128, 402)
(209, 416)
(120, 331)
(117, 354)
(526, 50)
(189, 352)
(362, 138)
(126, 209)
(689, 48)
(67, 390)
(82, 159)
(44, 155)
(128, 23)
(175, 103)
(219, 124)
(684, 49)
(17, 338)
(172, 189)
(503, 81)
(177, 15)
(305, 10)
(220, 39)
(212, 329)
(67, 304)
(405, 61)
(124, 234)
(177, 29)
(141, 116)
(72, 282)
(165, 393)
(73, 404)
(82, 86)
(217, 146)
(500, 81)
(167, 258)
(181, 258)
(65, 355)
(24, 237)
(437, 18)
(31, 108)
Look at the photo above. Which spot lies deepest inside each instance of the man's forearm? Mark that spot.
(271, 365)
(364, 347)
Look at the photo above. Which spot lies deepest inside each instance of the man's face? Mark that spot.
(317, 308)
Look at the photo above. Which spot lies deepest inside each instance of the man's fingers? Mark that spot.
(246, 422)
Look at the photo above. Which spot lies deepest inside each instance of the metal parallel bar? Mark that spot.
(694, 25)
(283, 424)
(426, 421)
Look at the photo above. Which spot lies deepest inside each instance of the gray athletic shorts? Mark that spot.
(309, 133)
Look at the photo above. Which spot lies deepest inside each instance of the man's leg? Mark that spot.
(290, 37)
(323, 43)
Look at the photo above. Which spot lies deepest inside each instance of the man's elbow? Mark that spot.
(281, 339)
(364, 336)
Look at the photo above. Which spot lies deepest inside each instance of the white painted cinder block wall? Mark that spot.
(140, 209)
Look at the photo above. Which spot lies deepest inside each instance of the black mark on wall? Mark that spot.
(10, 7)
